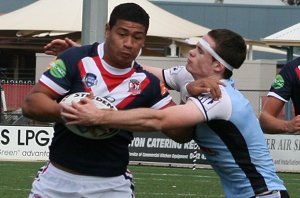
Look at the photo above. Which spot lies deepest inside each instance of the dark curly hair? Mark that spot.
(129, 12)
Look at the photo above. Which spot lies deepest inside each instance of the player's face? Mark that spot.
(200, 63)
(123, 43)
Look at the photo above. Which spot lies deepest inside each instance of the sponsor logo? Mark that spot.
(58, 69)
(110, 99)
(90, 80)
(278, 82)
(134, 87)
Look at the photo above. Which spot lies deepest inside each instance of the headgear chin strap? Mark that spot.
(212, 52)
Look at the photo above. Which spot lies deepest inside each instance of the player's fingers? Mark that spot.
(221, 83)
(68, 109)
(50, 52)
(87, 100)
(91, 95)
(67, 116)
(71, 43)
(216, 92)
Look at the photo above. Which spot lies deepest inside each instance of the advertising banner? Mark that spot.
(25, 143)
(31, 143)
(285, 151)
(156, 147)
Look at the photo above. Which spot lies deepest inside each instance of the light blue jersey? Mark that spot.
(234, 144)
(231, 139)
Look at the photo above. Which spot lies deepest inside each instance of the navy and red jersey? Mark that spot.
(286, 85)
(83, 69)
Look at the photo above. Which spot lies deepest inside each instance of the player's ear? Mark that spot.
(107, 30)
(218, 66)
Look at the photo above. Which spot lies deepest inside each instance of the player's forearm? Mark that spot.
(272, 124)
(146, 120)
(141, 119)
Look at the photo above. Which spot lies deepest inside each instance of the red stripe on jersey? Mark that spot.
(83, 74)
(111, 80)
(297, 70)
(130, 98)
(169, 104)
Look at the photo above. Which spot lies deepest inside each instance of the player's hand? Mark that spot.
(293, 125)
(83, 112)
(59, 45)
(205, 85)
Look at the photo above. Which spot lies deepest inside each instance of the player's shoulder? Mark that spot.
(291, 65)
(296, 61)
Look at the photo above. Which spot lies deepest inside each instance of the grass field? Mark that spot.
(150, 182)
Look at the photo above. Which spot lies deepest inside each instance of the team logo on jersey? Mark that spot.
(207, 101)
(90, 79)
(58, 69)
(175, 70)
(278, 82)
(134, 87)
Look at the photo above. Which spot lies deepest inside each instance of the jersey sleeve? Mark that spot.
(177, 78)
(62, 71)
(161, 97)
(281, 87)
(214, 109)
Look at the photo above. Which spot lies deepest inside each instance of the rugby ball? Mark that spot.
(91, 132)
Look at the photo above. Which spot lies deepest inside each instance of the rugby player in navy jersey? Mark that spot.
(80, 167)
(286, 86)
(227, 130)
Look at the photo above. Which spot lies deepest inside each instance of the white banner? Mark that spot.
(32, 143)
(285, 150)
(25, 143)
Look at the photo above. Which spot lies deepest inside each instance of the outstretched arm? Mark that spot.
(176, 122)
(269, 118)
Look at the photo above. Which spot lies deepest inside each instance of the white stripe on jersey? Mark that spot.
(162, 103)
(276, 96)
(58, 89)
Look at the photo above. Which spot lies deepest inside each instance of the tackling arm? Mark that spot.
(176, 122)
